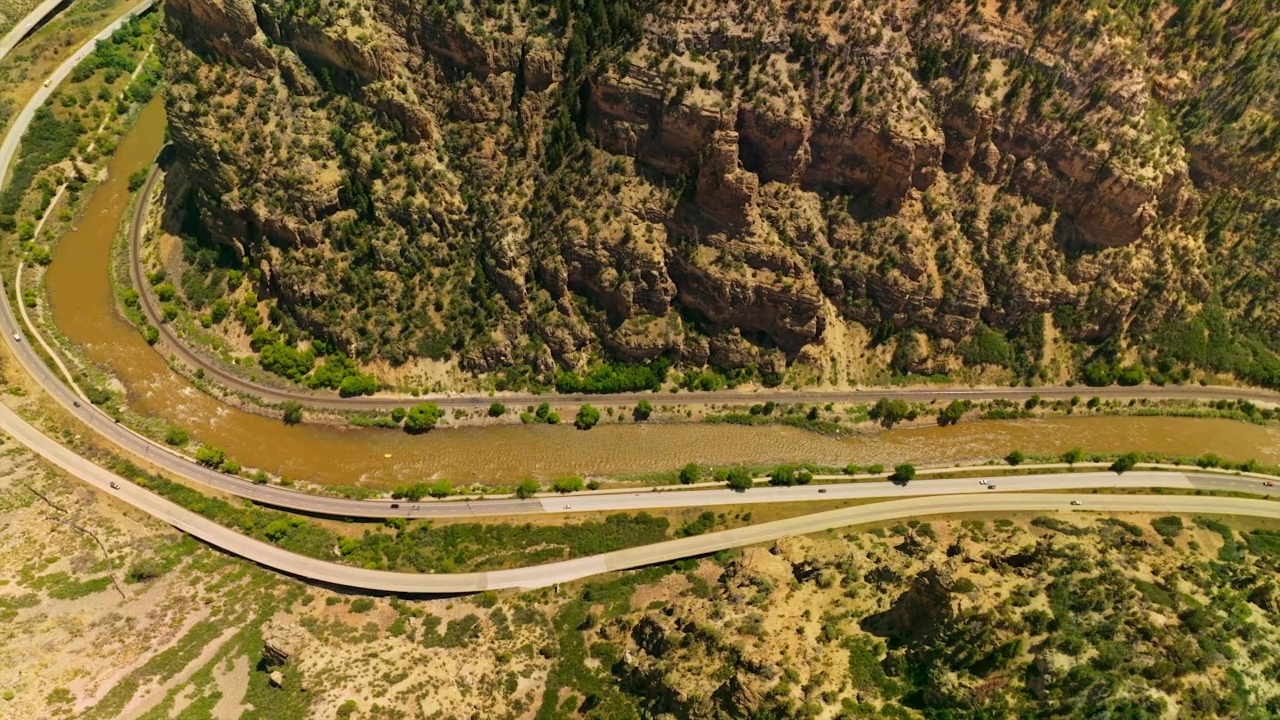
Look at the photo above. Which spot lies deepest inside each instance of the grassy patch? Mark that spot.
(422, 547)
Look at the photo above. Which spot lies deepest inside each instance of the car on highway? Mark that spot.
(395, 506)
(822, 490)
(17, 337)
(984, 482)
(566, 507)
(76, 403)
(990, 486)
(115, 485)
(1268, 483)
(1076, 502)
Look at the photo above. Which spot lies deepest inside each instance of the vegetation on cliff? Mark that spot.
(542, 191)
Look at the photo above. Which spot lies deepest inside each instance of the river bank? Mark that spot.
(502, 451)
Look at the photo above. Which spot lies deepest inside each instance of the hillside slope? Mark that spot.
(511, 185)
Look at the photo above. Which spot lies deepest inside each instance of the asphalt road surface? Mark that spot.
(23, 27)
(943, 496)
(181, 466)
(553, 573)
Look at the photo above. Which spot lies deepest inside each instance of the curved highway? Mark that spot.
(552, 573)
(27, 25)
(943, 496)
(328, 401)
(182, 466)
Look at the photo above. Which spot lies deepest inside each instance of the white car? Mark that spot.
(983, 482)
(17, 337)
(1076, 502)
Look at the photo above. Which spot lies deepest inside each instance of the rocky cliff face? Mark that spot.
(732, 170)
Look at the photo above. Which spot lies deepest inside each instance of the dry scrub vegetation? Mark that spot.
(1010, 617)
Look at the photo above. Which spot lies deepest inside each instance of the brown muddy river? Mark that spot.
(84, 310)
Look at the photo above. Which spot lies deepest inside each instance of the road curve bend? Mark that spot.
(23, 27)
(956, 497)
(538, 576)
(184, 467)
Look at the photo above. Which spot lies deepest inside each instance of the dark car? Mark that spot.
(395, 506)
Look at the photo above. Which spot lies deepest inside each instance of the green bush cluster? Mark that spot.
(587, 417)
(891, 412)
(788, 475)
(614, 378)
(422, 417)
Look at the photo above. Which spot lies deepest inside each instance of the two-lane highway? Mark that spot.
(922, 497)
(553, 573)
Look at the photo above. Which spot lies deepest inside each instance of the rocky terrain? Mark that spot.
(1017, 617)
(859, 187)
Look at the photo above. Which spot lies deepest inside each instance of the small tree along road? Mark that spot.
(422, 417)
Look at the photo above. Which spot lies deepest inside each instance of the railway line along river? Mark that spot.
(84, 310)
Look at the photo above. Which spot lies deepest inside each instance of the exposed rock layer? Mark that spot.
(750, 167)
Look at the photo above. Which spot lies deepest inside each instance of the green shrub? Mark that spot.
(358, 384)
(1125, 463)
(210, 456)
(783, 475)
(567, 484)
(176, 436)
(143, 570)
(1131, 375)
(690, 474)
(986, 346)
(527, 488)
(642, 410)
(1015, 458)
(903, 473)
(1209, 460)
(137, 178)
(587, 417)
(287, 361)
(614, 378)
(739, 479)
(891, 412)
(422, 417)
(1098, 374)
(953, 412)
(291, 412)
(497, 409)
(361, 605)
(1169, 526)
